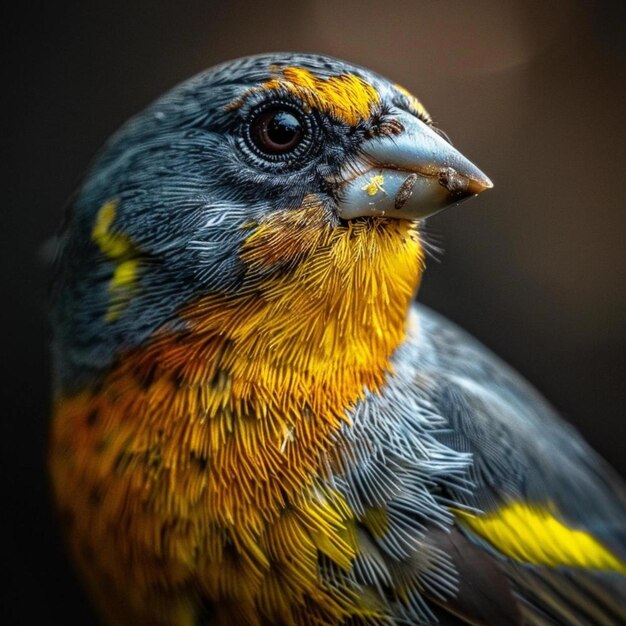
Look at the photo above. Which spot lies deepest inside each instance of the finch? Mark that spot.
(253, 423)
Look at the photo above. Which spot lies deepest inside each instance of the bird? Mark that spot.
(253, 421)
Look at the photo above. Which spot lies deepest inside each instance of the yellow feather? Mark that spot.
(346, 97)
(206, 449)
(533, 534)
(119, 249)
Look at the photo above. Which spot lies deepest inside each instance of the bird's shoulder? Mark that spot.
(538, 498)
(522, 450)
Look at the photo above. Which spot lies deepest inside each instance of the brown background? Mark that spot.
(534, 92)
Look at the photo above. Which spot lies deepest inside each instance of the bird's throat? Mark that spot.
(322, 307)
(212, 433)
(258, 384)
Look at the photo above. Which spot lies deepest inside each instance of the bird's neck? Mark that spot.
(258, 385)
(270, 375)
(325, 311)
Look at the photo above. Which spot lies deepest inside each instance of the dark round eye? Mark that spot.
(277, 130)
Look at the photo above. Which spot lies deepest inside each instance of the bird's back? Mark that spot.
(540, 504)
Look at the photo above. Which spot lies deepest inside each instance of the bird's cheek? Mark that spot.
(283, 240)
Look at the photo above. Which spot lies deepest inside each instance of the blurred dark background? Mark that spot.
(534, 92)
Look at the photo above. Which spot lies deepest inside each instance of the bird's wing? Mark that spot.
(543, 508)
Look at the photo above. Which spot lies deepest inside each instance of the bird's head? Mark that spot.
(274, 197)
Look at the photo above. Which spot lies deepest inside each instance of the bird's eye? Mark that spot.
(280, 132)
(277, 130)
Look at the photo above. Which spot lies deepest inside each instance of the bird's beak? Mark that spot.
(409, 174)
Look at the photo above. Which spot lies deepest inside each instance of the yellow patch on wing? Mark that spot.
(532, 534)
(118, 248)
(416, 106)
